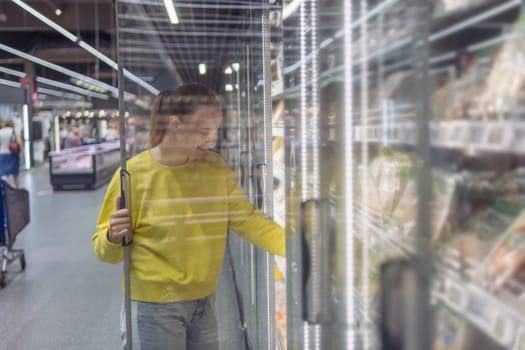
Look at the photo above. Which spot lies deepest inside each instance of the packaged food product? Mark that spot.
(473, 241)
(505, 265)
(505, 86)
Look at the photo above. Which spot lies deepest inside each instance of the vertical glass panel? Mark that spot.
(231, 47)
(387, 121)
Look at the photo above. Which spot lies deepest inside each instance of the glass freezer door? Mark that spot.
(355, 141)
(404, 145)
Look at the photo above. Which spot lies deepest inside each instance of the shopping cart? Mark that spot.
(14, 216)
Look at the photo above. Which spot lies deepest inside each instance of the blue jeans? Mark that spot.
(189, 325)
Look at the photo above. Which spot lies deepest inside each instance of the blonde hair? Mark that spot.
(182, 102)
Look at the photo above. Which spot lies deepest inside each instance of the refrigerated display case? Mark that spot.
(88, 167)
(419, 174)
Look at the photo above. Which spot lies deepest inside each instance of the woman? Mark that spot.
(9, 162)
(184, 199)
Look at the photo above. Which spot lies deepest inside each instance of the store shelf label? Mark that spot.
(476, 133)
(503, 329)
(480, 312)
(498, 137)
(434, 134)
(457, 134)
(442, 134)
(520, 339)
(455, 295)
(398, 134)
(518, 137)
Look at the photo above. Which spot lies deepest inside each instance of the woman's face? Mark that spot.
(197, 132)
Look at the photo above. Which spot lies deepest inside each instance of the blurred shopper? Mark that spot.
(111, 133)
(73, 138)
(184, 199)
(63, 135)
(9, 155)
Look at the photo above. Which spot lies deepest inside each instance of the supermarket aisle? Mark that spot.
(66, 298)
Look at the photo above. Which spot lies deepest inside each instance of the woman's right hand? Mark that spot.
(119, 224)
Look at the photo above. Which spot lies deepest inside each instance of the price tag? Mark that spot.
(434, 134)
(476, 133)
(455, 295)
(374, 133)
(518, 137)
(479, 311)
(442, 134)
(370, 133)
(520, 339)
(457, 133)
(395, 134)
(497, 137)
(503, 329)
(409, 135)
(387, 134)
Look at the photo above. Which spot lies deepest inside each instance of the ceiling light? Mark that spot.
(228, 87)
(86, 47)
(16, 73)
(236, 66)
(59, 94)
(202, 69)
(56, 67)
(172, 13)
(54, 83)
(58, 12)
(228, 70)
(10, 83)
(71, 88)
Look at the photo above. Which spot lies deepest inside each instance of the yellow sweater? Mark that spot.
(180, 217)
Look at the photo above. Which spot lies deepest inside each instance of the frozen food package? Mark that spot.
(473, 241)
(505, 265)
(505, 86)
(395, 171)
(445, 100)
(455, 98)
(442, 204)
(369, 181)
(444, 201)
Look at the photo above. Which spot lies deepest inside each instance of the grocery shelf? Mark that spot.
(497, 314)
(474, 136)
(399, 72)
(468, 21)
